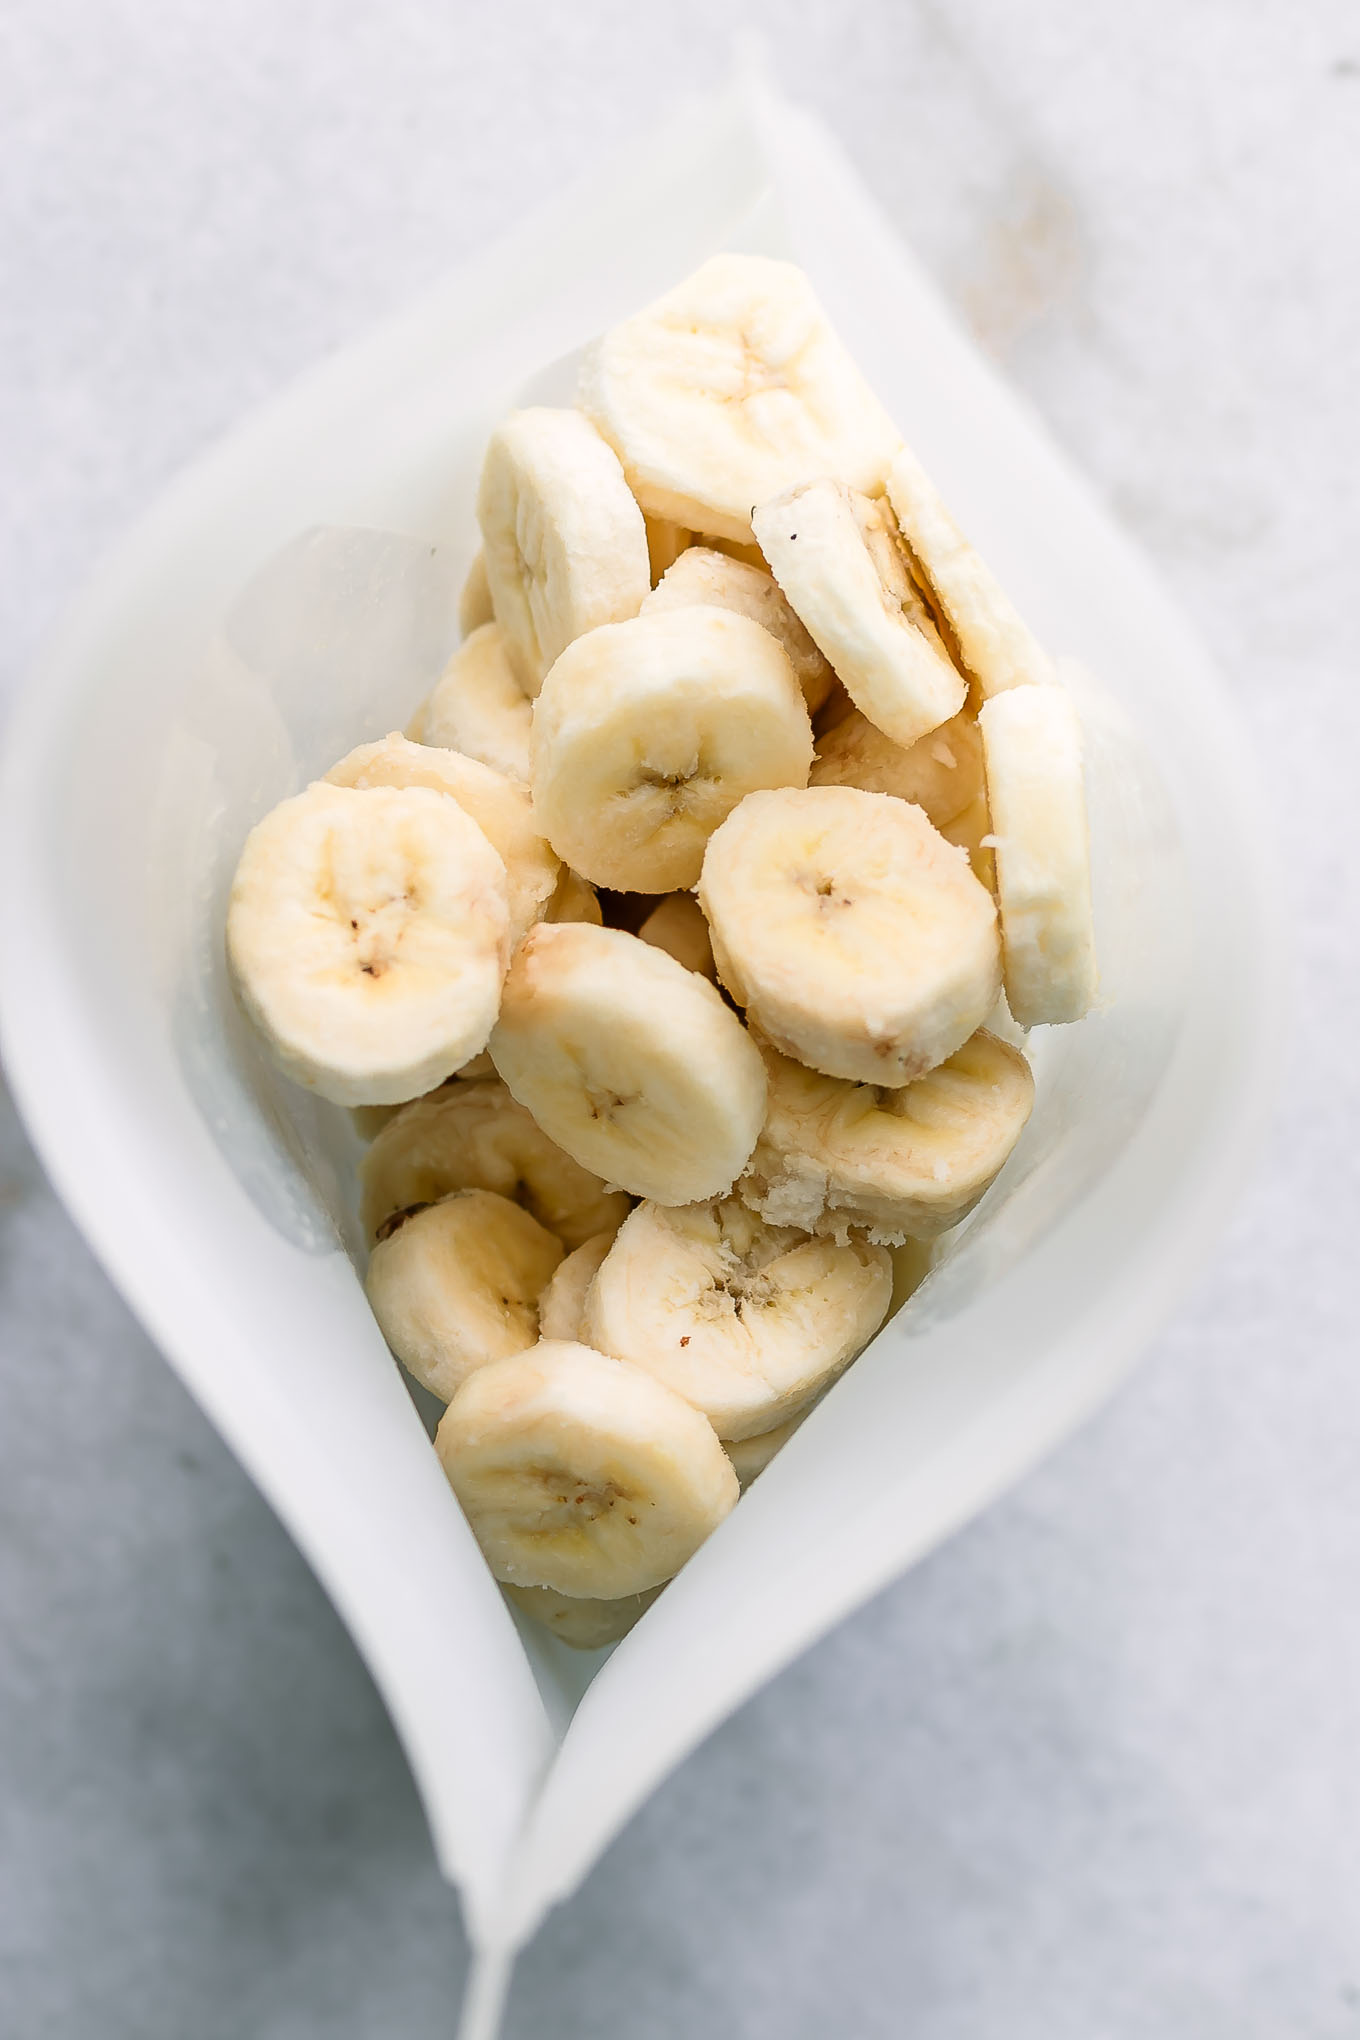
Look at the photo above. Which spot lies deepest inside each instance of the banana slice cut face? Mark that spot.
(475, 1136)
(562, 1306)
(479, 707)
(584, 1625)
(941, 773)
(564, 541)
(648, 733)
(458, 1284)
(836, 556)
(1031, 742)
(368, 934)
(988, 637)
(898, 1164)
(747, 1321)
(730, 389)
(630, 1062)
(580, 1473)
(500, 807)
(856, 938)
(716, 580)
(677, 925)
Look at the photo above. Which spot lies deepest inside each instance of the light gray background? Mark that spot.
(1091, 1773)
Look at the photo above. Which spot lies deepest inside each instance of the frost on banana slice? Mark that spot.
(678, 926)
(565, 545)
(747, 1321)
(702, 575)
(479, 708)
(584, 1625)
(368, 934)
(575, 900)
(458, 1284)
(899, 1164)
(990, 641)
(941, 773)
(836, 556)
(648, 733)
(580, 1473)
(500, 807)
(856, 938)
(1031, 741)
(630, 1062)
(475, 607)
(475, 1136)
(562, 1306)
(729, 389)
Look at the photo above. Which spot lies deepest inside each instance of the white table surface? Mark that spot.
(1093, 1771)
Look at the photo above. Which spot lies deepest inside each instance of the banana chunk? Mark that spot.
(584, 1625)
(714, 579)
(727, 390)
(475, 607)
(479, 707)
(747, 1321)
(500, 808)
(630, 1062)
(837, 557)
(678, 926)
(901, 1164)
(855, 937)
(565, 545)
(941, 773)
(562, 1306)
(580, 1473)
(1031, 742)
(368, 934)
(991, 641)
(458, 1284)
(750, 1456)
(475, 1136)
(648, 733)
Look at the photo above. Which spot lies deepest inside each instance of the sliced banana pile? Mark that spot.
(661, 961)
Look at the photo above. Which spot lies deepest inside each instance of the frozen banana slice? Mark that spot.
(368, 934)
(702, 575)
(941, 773)
(584, 1625)
(747, 1321)
(479, 708)
(562, 1306)
(677, 925)
(580, 1473)
(458, 1284)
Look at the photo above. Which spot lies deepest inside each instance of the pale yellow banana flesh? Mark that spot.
(582, 1624)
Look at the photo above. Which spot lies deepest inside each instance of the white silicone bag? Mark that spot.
(294, 595)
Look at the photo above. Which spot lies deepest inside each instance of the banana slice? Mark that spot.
(630, 1062)
(678, 926)
(369, 1120)
(500, 808)
(562, 1306)
(902, 1164)
(475, 1136)
(665, 543)
(750, 1456)
(747, 1321)
(368, 933)
(565, 545)
(730, 388)
(835, 555)
(941, 773)
(475, 607)
(648, 733)
(1031, 742)
(971, 832)
(713, 579)
(575, 900)
(989, 639)
(856, 938)
(458, 1284)
(584, 1625)
(479, 708)
(580, 1473)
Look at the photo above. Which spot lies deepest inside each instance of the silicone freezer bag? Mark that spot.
(296, 594)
